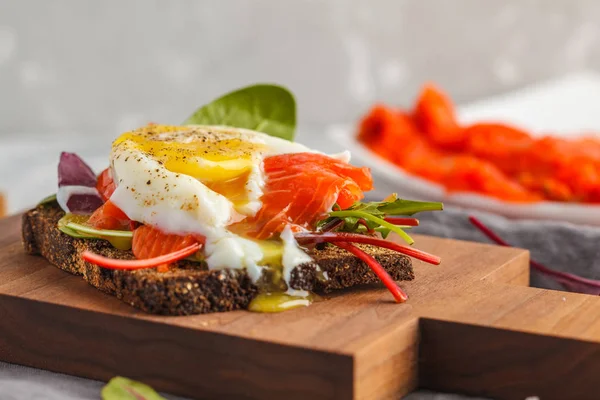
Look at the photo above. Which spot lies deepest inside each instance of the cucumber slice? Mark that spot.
(72, 225)
(99, 232)
(75, 234)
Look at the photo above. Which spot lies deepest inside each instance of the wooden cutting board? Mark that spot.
(2, 206)
(471, 326)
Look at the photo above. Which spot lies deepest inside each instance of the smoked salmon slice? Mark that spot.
(301, 188)
(149, 242)
(105, 184)
(109, 216)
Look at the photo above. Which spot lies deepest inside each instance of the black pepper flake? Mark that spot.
(148, 182)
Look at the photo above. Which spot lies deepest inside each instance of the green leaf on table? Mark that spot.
(119, 388)
(270, 109)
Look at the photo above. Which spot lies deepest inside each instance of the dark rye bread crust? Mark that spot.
(189, 287)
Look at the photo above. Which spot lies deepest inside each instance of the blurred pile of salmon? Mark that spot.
(2, 206)
(488, 158)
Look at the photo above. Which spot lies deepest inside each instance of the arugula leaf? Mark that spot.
(119, 388)
(409, 207)
(393, 205)
(364, 217)
(373, 218)
(265, 108)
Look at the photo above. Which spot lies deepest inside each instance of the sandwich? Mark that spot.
(221, 213)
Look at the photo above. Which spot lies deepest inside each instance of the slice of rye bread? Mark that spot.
(190, 287)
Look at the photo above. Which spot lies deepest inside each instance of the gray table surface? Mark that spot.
(23, 383)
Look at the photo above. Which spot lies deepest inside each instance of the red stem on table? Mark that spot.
(488, 232)
(387, 280)
(534, 264)
(336, 237)
(402, 221)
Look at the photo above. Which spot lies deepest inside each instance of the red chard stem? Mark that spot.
(387, 280)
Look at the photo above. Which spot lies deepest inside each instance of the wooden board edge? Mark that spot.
(504, 364)
(386, 363)
(515, 272)
(173, 359)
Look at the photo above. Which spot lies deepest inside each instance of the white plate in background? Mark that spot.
(565, 107)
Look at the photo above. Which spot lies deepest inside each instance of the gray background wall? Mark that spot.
(105, 66)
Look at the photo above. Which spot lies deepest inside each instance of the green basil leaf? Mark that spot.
(265, 108)
(119, 388)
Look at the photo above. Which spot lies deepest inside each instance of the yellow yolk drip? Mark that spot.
(234, 189)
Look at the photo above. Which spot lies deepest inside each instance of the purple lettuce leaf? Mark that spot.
(73, 171)
(77, 192)
(84, 203)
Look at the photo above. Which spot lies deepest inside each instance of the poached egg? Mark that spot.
(200, 180)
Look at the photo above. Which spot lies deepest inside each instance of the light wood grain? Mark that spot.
(356, 344)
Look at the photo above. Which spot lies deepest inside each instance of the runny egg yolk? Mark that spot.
(222, 160)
